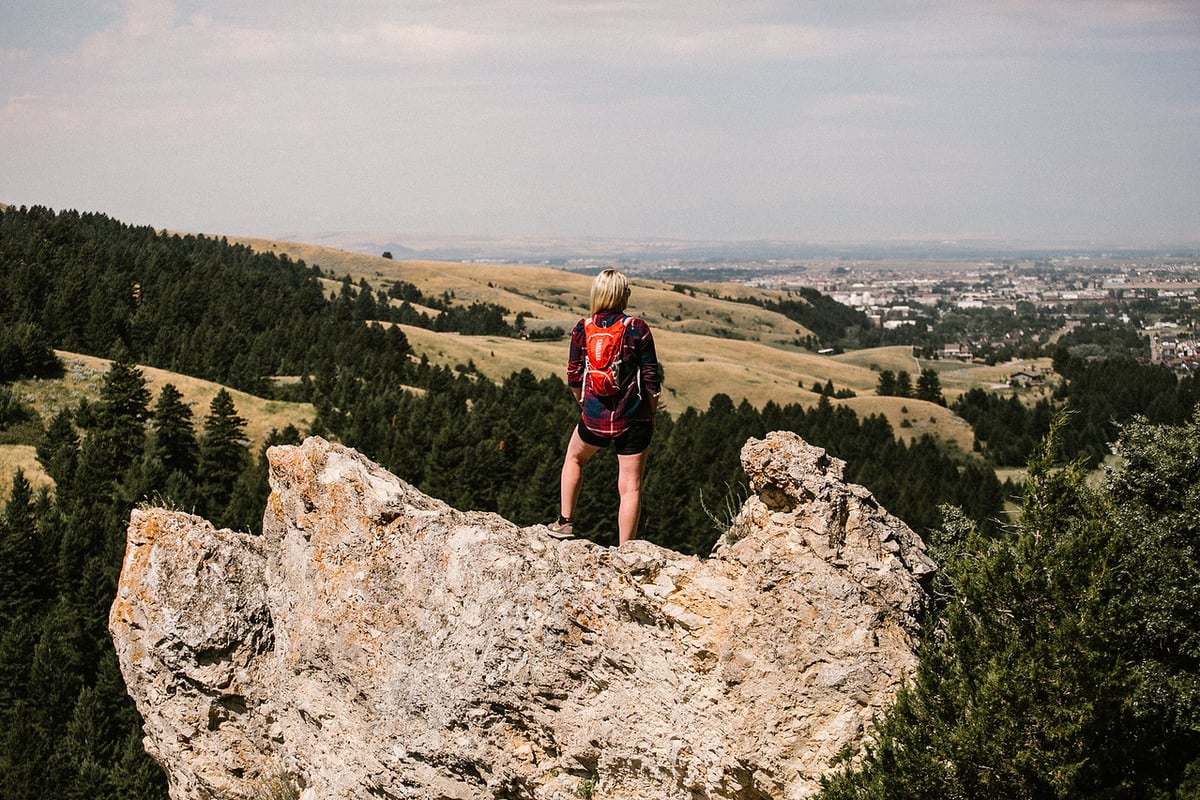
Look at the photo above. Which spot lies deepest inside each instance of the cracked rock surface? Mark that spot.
(377, 643)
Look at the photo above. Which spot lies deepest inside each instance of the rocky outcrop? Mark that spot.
(376, 643)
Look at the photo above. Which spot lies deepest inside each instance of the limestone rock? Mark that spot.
(376, 643)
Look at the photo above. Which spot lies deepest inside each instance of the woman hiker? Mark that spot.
(613, 371)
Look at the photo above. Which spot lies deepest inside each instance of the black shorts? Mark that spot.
(634, 440)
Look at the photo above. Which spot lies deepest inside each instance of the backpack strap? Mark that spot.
(637, 368)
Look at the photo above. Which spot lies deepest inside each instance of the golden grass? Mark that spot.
(900, 357)
(552, 298)
(982, 374)
(24, 458)
(496, 357)
(895, 358)
(956, 377)
(697, 367)
(922, 417)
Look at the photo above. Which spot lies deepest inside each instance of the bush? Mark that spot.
(19, 424)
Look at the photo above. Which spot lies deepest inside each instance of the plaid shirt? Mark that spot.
(641, 378)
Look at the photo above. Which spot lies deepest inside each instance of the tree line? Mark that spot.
(899, 384)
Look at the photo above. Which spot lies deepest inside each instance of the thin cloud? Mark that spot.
(12, 56)
(16, 106)
(144, 18)
(751, 42)
(1116, 15)
(858, 103)
(426, 43)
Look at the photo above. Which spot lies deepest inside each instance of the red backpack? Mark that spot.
(603, 364)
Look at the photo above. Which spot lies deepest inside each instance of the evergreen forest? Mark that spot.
(206, 308)
(1062, 659)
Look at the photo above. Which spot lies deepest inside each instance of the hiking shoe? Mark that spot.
(560, 529)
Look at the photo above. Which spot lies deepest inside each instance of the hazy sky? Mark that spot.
(1034, 120)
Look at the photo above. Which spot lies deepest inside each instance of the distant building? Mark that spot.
(855, 299)
(960, 351)
(1162, 348)
(1025, 378)
(1174, 350)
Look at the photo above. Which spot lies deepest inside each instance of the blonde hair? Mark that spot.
(610, 291)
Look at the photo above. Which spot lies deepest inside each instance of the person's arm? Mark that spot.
(651, 371)
(575, 358)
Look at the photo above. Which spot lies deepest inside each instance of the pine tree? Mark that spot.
(24, 578)
(122, 411)
(223, 455)
(116, 439)
(85, 747)
(364, 302)
(134, 774)
(25, 350)
(172, 453)
(58, 452)
(1155, 616)
(886, 386)
(58, 666)
(103, 489)
(174, 441)
(929, 387)
(25, 750)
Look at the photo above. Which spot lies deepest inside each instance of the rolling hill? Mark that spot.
(706, 344)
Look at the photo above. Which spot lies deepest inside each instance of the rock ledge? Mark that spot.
(376, 643)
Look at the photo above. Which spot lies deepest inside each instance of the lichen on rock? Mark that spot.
(375, 642)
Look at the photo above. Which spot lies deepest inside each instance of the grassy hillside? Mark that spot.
(698, 367)
(554, 297)
(707, 346)
(82, 379)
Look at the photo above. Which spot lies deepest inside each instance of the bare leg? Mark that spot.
(629, 487)
(579, 453)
